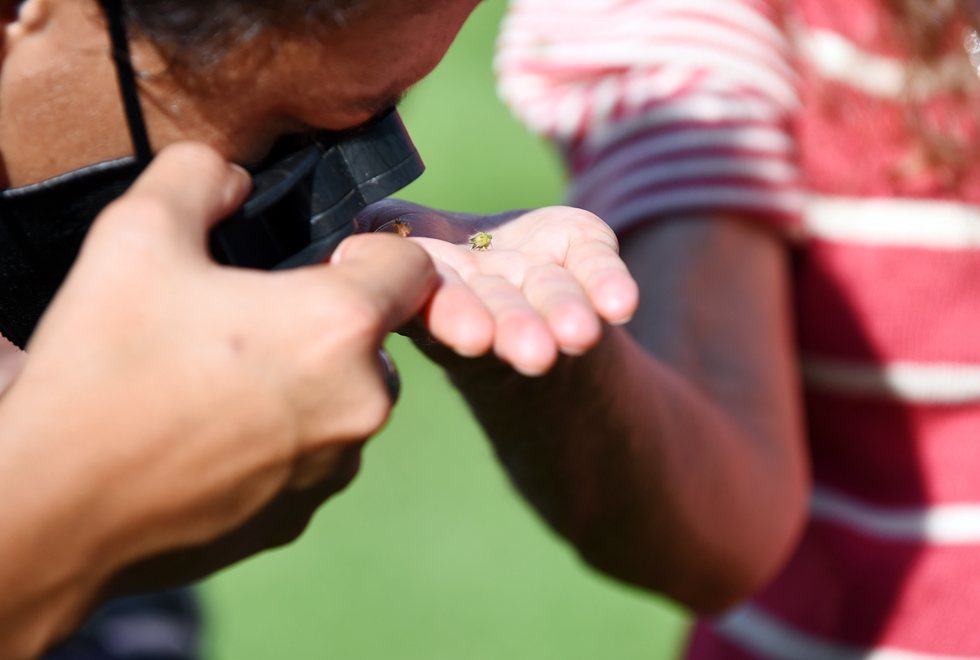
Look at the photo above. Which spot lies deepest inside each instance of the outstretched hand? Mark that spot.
(543, 285)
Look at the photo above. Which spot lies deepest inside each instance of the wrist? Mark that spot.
(56, 549)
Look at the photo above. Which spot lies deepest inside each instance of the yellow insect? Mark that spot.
(402, 228)
(481, 241)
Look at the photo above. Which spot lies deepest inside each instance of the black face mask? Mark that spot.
(305, 196)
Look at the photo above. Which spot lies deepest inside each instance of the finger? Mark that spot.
(607, 282)
(393, 276)
(456, 317)
(420, 220)
(332, 461)
(522, 339)
(186, 190)
(558, 297)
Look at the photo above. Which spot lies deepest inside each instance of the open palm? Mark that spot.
(543, 285)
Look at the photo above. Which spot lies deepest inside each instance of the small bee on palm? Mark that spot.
(480, 241)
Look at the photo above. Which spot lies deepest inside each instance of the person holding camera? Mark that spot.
(172, 415)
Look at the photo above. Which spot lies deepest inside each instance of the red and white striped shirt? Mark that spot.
(795, 115)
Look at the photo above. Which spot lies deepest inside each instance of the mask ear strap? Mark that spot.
(127, 80)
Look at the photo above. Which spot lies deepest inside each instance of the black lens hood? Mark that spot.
(303, 205)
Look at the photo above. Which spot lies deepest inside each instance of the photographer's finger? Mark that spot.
(325, 462)
(187, 189)
(392, 274)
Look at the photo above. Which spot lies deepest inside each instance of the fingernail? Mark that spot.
(529, 372)
(238, 186)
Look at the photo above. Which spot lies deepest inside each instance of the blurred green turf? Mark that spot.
(430, 555)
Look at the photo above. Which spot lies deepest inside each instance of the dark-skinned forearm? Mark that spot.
(650, 480)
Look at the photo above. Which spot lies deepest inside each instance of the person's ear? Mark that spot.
(27, 15)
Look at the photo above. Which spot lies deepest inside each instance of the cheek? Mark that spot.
(347, 78)
(425, 38)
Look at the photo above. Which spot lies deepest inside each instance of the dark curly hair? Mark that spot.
(196, 33)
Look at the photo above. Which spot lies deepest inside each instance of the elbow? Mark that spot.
(729, 571)
(705, 590)
(718, 589)
(706, 568)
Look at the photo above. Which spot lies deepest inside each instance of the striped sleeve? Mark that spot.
(661, 107)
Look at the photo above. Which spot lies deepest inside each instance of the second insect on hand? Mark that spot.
(543, 287)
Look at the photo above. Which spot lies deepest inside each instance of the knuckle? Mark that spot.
(135, 218)
(421, 262)
(355, 415)
(383, 248)
(358, 315)
(202, 159)
(145, 211)
(353, 246)
(373, 411)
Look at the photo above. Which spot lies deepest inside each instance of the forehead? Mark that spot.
(348, 73)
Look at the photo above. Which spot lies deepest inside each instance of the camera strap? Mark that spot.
(122, 57)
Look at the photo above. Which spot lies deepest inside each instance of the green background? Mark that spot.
(430, 554)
